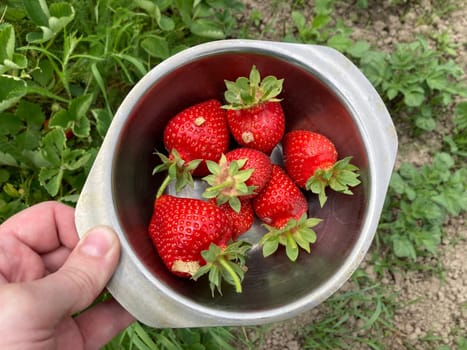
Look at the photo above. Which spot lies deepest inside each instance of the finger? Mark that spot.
(101, 323)
(43, 227)
(18, 262)
(55, 259)
(82, 277)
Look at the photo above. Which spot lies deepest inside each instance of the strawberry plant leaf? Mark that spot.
(31, 113)
(224, 264)
(103, 119)
(12, 89)
(9, 124)
(49, 20)
(75, 117)
(51, 179)
(37, 11)
(9, 60)
(53, 144)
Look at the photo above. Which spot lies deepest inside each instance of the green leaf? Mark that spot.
(28, 139)
(12, 89)
(359, 49)
(270, 246)
(51, 179)
(4, 176)
(53, 144)
(75, 118)
(340, 42)
(49, 20)
(61, 14)
(37, 11)
(10, 124)
(62, 119)
(207, 28)
(298, 19)
(7, 159)
(166, 23)
(403, 248)
(75, 159)
(103, 119)
(320, 21)
(414, 96)
(7, 42)
(81, 127)
(156, 46)
(31, 113)
(424, 123)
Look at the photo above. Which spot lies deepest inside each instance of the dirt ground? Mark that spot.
(428, 305)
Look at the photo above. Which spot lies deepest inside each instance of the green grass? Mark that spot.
(61, 80)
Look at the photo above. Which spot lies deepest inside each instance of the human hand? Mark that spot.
(47, 275)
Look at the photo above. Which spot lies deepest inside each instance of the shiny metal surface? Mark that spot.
(323, 91)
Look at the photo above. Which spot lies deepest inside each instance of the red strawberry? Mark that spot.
(241, 174)
(241, 221)
(256, 160)
(283, 207)
(198, 132)
(310, 159)
(280, 201)
(254, 114)
(192, 236)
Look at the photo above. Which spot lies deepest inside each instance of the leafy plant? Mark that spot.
(418, 202)
(65, 67)
(415, 80)
(457, 141)
(368, 307)
(140, 337)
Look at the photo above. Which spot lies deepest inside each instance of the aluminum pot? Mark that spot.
(323, 91)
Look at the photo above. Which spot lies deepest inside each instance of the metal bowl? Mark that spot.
(324, 92)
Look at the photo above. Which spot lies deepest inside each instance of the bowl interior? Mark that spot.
(308, 104)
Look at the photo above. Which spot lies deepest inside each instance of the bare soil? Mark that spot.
(430, 306)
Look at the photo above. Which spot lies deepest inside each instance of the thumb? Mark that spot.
(82, 277)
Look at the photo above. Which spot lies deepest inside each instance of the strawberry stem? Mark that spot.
(226, 264)
(232, 274)
(219, 187)
(177, 169)
(228, 181)
(163, 186)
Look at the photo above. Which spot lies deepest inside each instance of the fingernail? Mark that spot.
(98, 242)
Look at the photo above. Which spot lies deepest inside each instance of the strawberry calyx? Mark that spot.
(227, 181)
(224, 264)
(248, 92)
(294, 235)
(178, 170)
(339, 177)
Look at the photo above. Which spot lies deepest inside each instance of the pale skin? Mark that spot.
(48, 275)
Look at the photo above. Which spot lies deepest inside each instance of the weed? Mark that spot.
(367, 308)
(457, 140)
(418, 202)
(140, 337)
(416, 80)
